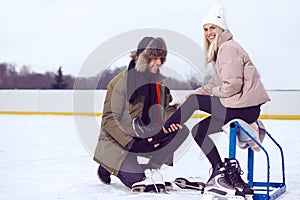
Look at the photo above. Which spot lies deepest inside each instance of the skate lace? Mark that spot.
(234, 176)
(226, 180)
(152, 180)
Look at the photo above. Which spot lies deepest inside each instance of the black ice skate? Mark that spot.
(219, 186)
(234, 172)
(184, 183)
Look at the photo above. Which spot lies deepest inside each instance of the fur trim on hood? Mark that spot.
(155, 49)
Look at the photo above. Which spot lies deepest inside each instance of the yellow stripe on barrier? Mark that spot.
(263, 116)
(280, 117)
(99, 114)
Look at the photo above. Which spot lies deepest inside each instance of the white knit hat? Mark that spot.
(216, 16)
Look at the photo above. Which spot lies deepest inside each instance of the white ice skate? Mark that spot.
(153, 182)
(218, 187)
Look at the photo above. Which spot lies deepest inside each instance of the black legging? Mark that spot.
(220, 115)
(131, 171)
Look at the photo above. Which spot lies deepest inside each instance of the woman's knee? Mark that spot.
(191, 98)
(197, 133)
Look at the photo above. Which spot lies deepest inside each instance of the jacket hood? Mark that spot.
(226, 35)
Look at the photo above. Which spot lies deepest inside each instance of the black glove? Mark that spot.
(160, 136)
(164, 139)
(141, 145)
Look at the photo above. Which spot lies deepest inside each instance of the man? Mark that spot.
(138, 94)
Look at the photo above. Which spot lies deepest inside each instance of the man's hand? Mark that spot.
(142, 145)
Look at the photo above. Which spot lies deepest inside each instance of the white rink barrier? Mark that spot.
(284, 104)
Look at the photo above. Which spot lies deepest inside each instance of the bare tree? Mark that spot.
(24, 71)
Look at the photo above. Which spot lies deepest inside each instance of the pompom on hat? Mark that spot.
(216, 16)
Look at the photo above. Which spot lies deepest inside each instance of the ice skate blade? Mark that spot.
(214, 196)
(158, 188)
(168, 186)
(186, 184)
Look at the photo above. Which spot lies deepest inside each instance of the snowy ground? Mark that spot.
(41, 157)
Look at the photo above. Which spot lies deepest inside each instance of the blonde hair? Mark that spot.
(210, 48)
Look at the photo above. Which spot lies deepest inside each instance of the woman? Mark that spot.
(235, 91)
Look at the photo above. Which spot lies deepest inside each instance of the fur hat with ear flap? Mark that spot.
(216, 16)
(155, 49)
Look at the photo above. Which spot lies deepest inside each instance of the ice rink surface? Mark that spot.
(42, 157)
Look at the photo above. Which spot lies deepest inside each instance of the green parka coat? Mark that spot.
(116, 126)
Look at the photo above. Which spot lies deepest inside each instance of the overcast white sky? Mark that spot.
(46, 34)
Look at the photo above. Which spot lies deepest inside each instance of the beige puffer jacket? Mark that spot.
(236, 80)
